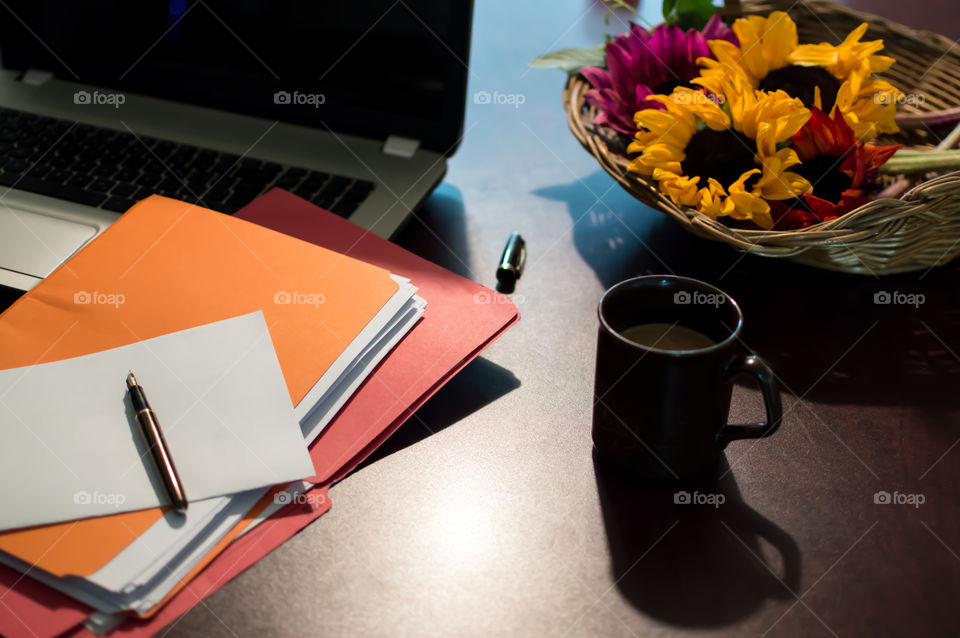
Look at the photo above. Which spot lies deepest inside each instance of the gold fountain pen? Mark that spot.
(158, 446)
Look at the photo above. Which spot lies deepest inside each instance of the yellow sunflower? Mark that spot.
(770, 58)
(719, 163)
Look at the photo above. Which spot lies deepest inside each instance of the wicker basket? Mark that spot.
(917, 230)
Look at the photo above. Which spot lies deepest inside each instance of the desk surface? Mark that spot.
(486, 514)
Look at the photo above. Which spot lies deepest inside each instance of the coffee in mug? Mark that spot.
(666, 336)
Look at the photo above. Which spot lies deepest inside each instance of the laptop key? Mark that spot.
(217, 194)
(201, 176)
(59, 191)
(126, 174)
(323, 201)
(62, 161)
(79, 181)
(148, 179)
(16, 166)
(314, 181)
(58, 175)
(304, 192)
(344, 209)
(101, 185)
(239, 200)
(287, 181)
(205, 158)
(118, 204)
(124, 189)
(359, 191)
(134, 162)
(333, 189)
(104, 170)
(83, 166)
(38, 170)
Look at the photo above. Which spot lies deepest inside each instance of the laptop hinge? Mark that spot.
(400, 146)
(36, 77)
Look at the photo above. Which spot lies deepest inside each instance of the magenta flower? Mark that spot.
(640, 64)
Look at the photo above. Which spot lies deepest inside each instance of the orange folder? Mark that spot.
(167, 266)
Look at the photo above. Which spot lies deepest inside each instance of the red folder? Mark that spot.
(454, 330)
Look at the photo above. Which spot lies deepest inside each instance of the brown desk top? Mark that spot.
(486, 514)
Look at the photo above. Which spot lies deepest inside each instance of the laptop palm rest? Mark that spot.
(35, 244)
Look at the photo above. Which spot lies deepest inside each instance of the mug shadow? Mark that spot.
(696, 564)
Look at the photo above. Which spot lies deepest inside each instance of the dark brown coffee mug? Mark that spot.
(662, 413)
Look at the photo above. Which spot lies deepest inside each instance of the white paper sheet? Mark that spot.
(72, 449)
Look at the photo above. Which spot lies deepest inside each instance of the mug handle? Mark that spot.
(757, 368)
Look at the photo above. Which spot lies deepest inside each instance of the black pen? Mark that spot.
(511, 263)
(158, 446)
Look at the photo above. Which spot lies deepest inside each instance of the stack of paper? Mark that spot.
(184, 294)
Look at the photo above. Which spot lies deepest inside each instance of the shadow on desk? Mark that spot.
(693, 565)
(480, 383)
(619, 237)
(824, 333)
(853, 339)
(440, 216)
(8, 296)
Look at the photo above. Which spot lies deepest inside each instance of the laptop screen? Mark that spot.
(372, 68)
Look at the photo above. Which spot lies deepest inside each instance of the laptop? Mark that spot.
(354, 106)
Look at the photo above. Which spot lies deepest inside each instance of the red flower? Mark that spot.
(839, 167)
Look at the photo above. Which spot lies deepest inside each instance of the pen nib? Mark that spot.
(131, 380)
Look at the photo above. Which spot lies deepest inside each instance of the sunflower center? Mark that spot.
(667, 88)
(801, 81)
(824, 173)
(723, 155)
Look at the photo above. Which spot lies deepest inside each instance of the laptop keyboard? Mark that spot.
(113, 170)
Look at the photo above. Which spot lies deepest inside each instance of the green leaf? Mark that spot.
(909, 161)
(688, 14)
(571, 60)
(668, 8)
(623, 5)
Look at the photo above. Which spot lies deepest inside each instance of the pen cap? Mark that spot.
(511, 262)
